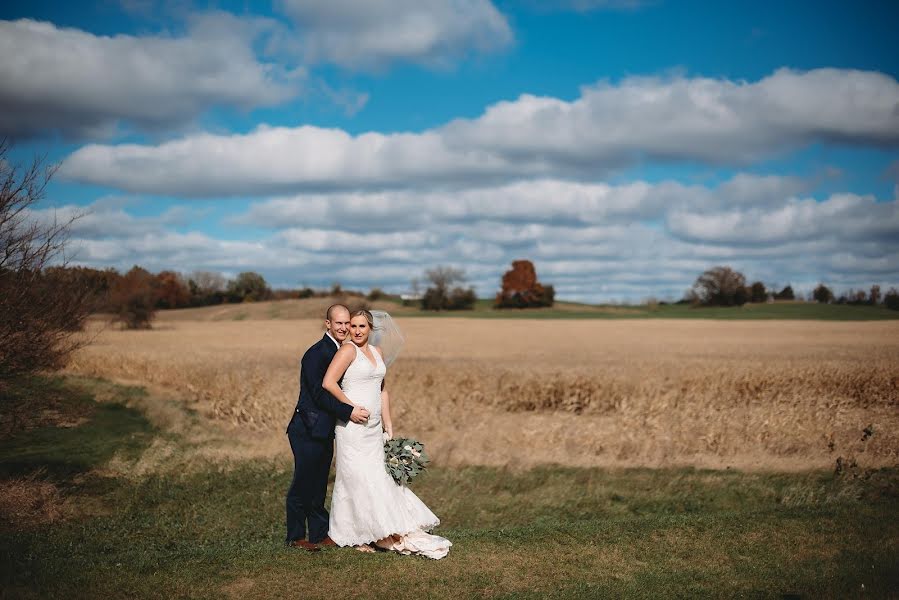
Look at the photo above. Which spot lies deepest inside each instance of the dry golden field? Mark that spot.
(743, 394)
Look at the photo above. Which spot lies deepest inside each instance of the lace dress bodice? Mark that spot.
(362, 384)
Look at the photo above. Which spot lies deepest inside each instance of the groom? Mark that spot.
(311, 435)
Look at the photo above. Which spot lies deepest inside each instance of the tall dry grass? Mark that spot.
(767, 395)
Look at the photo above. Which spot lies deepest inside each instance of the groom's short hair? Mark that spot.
(332, 307)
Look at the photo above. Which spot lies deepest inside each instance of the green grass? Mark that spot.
(780, 310)
(103, 429)
(548, 532)
(776, 310)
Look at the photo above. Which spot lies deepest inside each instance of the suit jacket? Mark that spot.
(317, 410)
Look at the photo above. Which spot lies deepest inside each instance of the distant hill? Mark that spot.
(306, 308)
(314, 308)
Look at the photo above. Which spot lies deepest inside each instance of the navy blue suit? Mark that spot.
(311, 435)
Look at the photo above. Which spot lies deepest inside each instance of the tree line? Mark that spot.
(134, 296)
(724, 286)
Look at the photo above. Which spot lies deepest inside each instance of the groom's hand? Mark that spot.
(360, 415)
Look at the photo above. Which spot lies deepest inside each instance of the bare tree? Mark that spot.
(208, 282)
(442, 296)
(874, 295)
(39, 310)
(443, 278)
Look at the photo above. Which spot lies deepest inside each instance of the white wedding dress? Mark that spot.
(367, 505)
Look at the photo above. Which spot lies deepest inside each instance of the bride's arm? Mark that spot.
(386, 419)
(336, 369)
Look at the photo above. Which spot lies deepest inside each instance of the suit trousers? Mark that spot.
(306, 496)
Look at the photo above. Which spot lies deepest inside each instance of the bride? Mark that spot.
(367, 505)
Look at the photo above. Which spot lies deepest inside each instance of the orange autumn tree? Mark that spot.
(171, 291)
(133, 298)
(520, 288)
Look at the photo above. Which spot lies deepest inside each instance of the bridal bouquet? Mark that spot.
(405, 458)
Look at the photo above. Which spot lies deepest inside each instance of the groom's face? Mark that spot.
(339, 324)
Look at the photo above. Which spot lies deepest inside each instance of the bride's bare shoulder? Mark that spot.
(346, 349)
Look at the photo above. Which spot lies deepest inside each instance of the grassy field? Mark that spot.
(82, 517)
(778, 395)
(703, 457)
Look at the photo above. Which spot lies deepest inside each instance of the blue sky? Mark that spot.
(623, 146)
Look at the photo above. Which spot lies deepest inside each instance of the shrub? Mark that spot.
(891, 299)
(441, 296)
(461, 299)
(40, 308)
(133, 299)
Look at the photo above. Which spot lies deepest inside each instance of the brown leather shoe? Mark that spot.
(304, 545)
(328, 543)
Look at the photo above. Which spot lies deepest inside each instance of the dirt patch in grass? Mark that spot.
(29, 501)
(239, 588)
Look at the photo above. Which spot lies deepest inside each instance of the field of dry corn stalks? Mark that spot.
(742, 394)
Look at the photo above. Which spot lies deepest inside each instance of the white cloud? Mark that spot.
(609, 126)
(593, 242)
(586, 5)
(710, 120)
(372, 34)
(179, 251)
(349, 100)
(512, 207)
(848, 217)
(107, 219)
(343, 241)
(84, 85)
(275, 159)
